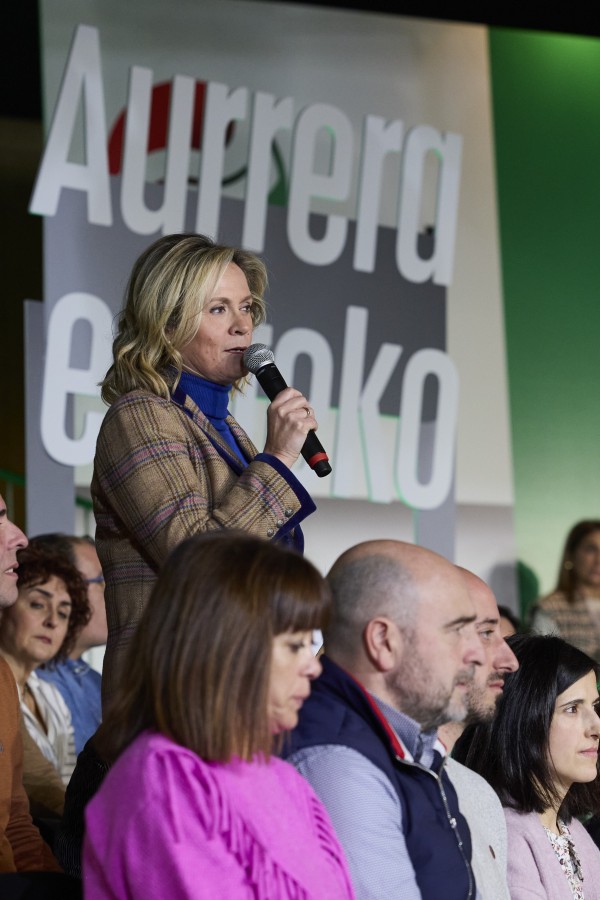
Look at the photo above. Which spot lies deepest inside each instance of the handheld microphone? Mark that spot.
(259, 360)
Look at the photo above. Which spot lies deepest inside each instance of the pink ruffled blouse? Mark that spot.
(167, 824)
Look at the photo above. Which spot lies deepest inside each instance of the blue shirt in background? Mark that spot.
(79, 685)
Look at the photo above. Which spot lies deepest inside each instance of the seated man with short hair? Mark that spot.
(479, 804)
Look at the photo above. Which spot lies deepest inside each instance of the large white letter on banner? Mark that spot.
(379, 139)
(170, 216)
(268, 117)
(306, 341)
(222, 107)
(359, 406)
(419, 142)
(305, 183)
(61, 379)
(82, 75)
(434, 492)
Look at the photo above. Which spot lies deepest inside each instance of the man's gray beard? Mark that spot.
(411, 686)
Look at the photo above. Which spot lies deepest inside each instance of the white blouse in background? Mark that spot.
(57, 739)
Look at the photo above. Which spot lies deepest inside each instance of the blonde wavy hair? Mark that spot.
(167, 289)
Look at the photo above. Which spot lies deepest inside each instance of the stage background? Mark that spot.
(546, 91)
(526, 107)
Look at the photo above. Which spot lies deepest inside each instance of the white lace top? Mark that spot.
(563, 846)
(57, 739)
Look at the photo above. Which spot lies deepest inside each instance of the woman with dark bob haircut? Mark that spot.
(540, 754)
(572, 610)
(195, 804)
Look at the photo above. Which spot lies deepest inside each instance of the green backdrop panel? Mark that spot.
(546, 102)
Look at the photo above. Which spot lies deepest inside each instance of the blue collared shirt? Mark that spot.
(79, 685)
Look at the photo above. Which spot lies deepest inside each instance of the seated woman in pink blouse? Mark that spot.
(540, 754)
(196, 805)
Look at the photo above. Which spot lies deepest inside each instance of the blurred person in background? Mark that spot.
(509, 622)
(572, 610)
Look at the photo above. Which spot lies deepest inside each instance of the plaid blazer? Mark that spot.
(161, 474)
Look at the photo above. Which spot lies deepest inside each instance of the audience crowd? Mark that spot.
(426, 755)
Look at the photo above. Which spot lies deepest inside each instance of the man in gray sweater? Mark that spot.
(478, 802)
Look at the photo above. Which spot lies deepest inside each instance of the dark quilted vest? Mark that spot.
(339, 712)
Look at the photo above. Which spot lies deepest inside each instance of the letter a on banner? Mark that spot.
(83, 77)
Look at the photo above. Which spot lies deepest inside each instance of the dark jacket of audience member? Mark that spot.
(339, 713)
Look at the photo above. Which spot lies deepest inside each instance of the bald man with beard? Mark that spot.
(401, 653)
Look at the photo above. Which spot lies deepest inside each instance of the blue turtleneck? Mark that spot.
(212, 399)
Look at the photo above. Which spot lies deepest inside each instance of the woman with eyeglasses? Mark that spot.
(197, 805)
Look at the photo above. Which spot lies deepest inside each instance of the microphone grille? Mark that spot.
(257, 356)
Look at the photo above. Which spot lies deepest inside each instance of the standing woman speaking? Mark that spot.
(170, 461)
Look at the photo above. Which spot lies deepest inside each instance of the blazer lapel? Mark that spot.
(243, 441)
(185, 402)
